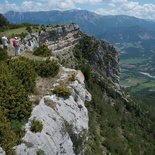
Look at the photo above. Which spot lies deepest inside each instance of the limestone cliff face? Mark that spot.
(57, 39)
(65, 121)
(62, 40)
(102, 56)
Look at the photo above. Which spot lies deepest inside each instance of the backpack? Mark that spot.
(14, 43)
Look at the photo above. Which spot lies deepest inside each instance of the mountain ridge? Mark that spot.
(117, 124)
(90, 22)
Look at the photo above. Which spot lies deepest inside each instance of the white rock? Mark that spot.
(60, 117)
(1, 151)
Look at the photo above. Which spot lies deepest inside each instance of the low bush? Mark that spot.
(29, 29)
(40, 152)
(7, 136)
(47, 68)
(13, 96)
(3, 54)
(25, 72)
(22, 35)
(18, 128)
(86, 70)
(42, 50)
(72, 78)
(36, 126)
(62, 90)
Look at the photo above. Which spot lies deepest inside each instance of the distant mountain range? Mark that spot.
(116, 29)
(134, 38)
(132, 35)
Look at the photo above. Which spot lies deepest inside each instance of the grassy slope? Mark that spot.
(10, 32)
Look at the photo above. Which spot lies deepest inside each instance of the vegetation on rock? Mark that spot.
(24, 71)
(42, 50)
(17, 81)
(3, 21)
(40, 152)
(7, 136)
(62, 90)
(15, 106)
(47, 68)
(71, 78)
(3, 54)
(13, 96)
(36, 126)
(29, 29)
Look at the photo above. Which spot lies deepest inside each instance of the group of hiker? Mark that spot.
(15, 44)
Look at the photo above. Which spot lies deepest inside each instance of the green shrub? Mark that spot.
(62, 90)
(7, 137)
(43, 28)
(47, 68)
(72, 78)
(36, 126)
(86, 70)
(78, 53)
(42, 50)
(25, 72)
(86, 48)
(3, 20)
(13, 96)
(40, 152)
(3, 54)
(29, 29)
(22, 35)
(18, 128)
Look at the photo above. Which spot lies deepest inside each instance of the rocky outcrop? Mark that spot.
(1, 151)
(56, 38)
(62, 40)
(105, 59)
(65, 121)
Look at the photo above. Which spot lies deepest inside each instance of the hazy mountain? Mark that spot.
(113, 28)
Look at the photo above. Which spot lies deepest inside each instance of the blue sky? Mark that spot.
(138, 8)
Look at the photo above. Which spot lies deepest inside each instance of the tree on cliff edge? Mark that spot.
(3, 21)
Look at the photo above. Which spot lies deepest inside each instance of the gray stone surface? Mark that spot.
(2, 151)
(56, 38)
(60, 117)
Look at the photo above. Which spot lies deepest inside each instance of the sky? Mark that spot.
(138, 8)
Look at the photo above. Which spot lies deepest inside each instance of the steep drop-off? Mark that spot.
(108, 121)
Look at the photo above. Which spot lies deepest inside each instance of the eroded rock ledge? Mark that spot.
(65, 121)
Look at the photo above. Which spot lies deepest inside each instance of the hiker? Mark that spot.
(16, 46)
(4, 42)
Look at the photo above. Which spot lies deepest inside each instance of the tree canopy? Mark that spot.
(3, 21)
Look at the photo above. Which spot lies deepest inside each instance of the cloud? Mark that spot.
(30, 6)
(61, 4)
(8, 6)
(119, 1)
(103, 7)
(88, 1)
(37, 5)
(128, 7)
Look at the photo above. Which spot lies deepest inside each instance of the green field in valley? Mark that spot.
(133, 61)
